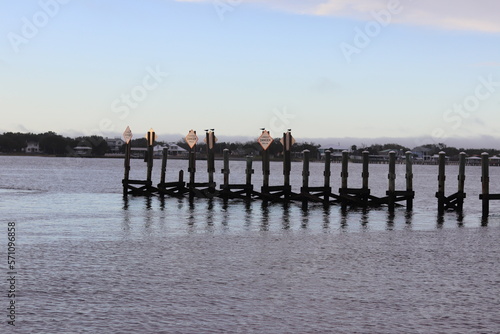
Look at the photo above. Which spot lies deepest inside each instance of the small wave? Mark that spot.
(11, 190)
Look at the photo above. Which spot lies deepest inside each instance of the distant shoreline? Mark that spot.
(256, 158)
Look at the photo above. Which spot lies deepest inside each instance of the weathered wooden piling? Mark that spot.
(409, 180)
(266, 170)
(345, 169)
(392, 181)
(305, 169)
(210, 141)
(441, 182)
(305, 178)
(225, 170)
(127, 168)
(164, 157)
(485, 181)
(248, 172)
(151, 137)
(461, 181)
(192, 170)
(327, 175)
(365, 174)
(344, 174)
(287, 162)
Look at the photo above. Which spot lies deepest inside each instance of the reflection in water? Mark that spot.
(126, 217)
(364, 218)
(408, 218)
(177, 214)
(210, 214)
(286, 216)
(439, 221)
(390, 220)
(191, 215)
(225, 213)
(326, 217)
(460, 219)
(264, 225)
(343, 217)
(149, 213)
(248, 214)
(305, 218)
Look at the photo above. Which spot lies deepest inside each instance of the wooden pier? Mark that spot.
(346, 197)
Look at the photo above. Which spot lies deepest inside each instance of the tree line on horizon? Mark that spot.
(51, 143)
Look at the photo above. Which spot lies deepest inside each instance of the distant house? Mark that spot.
(336, 153)
(32, 147)
(176, 150)
(83, 151)
(114, 144)
(421, 153)
(158, 150)
(474, 160)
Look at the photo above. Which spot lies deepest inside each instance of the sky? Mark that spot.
(340, 71)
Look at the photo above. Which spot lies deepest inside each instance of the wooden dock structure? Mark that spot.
(346, 197)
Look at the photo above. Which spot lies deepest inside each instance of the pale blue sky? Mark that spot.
(237, 66)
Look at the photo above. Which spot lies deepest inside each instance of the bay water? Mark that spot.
(90, 261)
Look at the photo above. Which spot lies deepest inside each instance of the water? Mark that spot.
(90, 262)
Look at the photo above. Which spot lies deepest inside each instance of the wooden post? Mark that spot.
(365, 174)
(461, 182)
(441, 182)
(305, 170)
(225, 171)
(485, 180)
(151, 138)
(287, 164)
(249, 171)
(192, 169)
(210, 139)
(392, 181)
(127, 168)
(344, 174)
(265, 170)
(181, 179)
(327, 174)
(164, 156)
(409, 180)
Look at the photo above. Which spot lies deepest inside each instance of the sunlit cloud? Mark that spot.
(444, 14)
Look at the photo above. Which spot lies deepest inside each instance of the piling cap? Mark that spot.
(304, 151)
(484, 153)
(442, 152)
(408, 152)
(366, 152)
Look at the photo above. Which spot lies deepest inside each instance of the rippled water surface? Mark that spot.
(91, 262)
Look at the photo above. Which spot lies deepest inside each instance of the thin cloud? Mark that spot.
(444, 14)
(488, 64)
